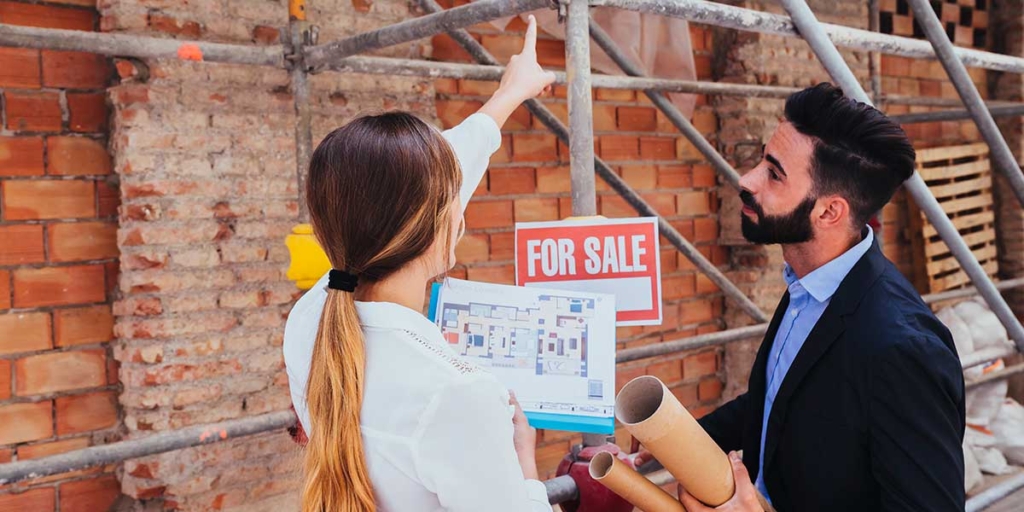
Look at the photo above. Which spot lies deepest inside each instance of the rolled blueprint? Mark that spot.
(632, 486)
(655, 417)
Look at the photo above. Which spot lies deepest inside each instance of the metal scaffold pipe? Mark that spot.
(956, 115)
(813, 32)
(134, 448)
(122, 45)
(581, 112)
(418, 28)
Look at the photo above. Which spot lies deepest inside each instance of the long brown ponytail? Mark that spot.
(380, 192)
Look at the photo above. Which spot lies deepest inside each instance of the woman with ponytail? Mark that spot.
(395, 421)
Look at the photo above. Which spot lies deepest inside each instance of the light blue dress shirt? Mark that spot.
(808, 298)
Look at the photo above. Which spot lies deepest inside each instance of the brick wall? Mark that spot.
(58, 262)
(206, 157)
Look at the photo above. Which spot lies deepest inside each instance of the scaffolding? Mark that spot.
(301, 55)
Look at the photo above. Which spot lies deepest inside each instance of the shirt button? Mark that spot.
(795, 312)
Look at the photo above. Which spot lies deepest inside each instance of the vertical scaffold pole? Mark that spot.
(581, 112)
(299, 36)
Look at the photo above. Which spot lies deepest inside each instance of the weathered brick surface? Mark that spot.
(57, 258)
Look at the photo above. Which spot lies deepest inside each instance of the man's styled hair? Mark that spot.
(859, 153)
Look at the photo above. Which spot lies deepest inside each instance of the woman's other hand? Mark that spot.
(524, 438)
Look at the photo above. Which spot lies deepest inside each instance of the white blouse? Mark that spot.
(437, 432)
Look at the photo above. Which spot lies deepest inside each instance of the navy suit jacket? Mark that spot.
(871, 414)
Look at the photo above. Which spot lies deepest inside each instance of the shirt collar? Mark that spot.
(389, 315)
(823, 282)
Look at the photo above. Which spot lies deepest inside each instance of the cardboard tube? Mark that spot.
(653, 415)
(632, 486)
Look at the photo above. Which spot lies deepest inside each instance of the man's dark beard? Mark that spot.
(791, 228)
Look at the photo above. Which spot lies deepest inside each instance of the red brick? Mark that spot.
(560, 111)
(78, 70)
(624, 375)
(60, 371)
(445, 48)
(705, 229)
(615, 206)
(31, 15)
(693, 202)
(84, 413)
(516, 180)
(700, 365)
(174, 26)
(21, 156)
(89, 495)
(678, 287)
(520, 119)
(488, 214)
(453, 112)
(534, 147)
(686, 394)
(446, 86)
(58, 286)
(657, 148)
(36, 451)
(19, 68)
(25, 422)
(5, 289)
(108, 197)
(551, 53)
(696, 312)
(619, 147)
(80, 326)
(262, 34)
(675, 176)
(703, 66)
(705, 122)
(82, 241)
(503, 246)
(502, 46)
(640, 177)
(536, 209)
(49, 199)
(709, 389)
(477, 87)
(25, 332)
(472, 248)
(504, 153)
(604, 118)
(23, 243)
(553, 180)
(77, 156)
(668, 371)
(637, 119)
(663, 203)
(705, 285)
(5, 379)
(614, 95)
(704, 176)
(504, 274)
(33, 111)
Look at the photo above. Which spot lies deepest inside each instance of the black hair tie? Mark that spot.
(341, 280)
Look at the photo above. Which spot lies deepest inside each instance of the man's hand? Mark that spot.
(744, 500)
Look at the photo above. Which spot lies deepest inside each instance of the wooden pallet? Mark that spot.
(960, 177)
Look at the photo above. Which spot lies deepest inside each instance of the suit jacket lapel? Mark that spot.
(756, 389)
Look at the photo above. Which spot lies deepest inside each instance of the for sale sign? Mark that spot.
(616, 256)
